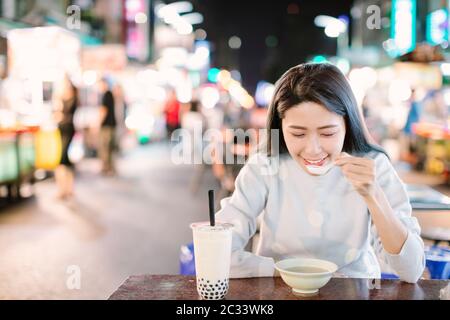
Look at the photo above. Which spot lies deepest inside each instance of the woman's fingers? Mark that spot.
(345, 159)
(353, 160)
(356, 168)
(358, 177)
(360, 172)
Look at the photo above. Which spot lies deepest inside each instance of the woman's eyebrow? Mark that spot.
(304, 128)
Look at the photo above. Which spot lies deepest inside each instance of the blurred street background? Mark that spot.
(92, 93)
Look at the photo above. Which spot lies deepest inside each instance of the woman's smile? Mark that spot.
(317, 163)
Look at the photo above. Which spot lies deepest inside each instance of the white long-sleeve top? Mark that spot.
(319, 217)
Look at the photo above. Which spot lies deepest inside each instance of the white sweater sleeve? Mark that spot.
(241, 210)
(409, 263)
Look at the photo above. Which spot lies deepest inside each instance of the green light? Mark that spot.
(403, 26)
(319, 59)
(213, 74)
(143, 139)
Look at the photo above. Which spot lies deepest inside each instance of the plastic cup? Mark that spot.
(212, 251)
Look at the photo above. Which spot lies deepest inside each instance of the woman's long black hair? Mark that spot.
(324, 84)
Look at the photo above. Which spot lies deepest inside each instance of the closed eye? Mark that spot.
(323, 135)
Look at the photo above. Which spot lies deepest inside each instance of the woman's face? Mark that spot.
(314, 136)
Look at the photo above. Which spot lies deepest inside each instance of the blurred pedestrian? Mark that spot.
(66, 106)
(194, 122)
(408, 137)
(120, 113)
(193, 117)
(172, 113)
(108, 129)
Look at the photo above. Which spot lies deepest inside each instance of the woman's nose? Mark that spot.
(313, 147)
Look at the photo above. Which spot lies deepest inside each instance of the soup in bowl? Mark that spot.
(305, 276)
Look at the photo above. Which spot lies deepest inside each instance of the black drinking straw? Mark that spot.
(211, 208)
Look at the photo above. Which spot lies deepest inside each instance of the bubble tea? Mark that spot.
(212, 251)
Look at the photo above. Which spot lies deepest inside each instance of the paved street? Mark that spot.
(116, 227)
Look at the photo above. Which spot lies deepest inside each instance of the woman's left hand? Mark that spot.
(360, 172)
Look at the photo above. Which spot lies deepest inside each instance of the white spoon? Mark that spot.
(320, 170)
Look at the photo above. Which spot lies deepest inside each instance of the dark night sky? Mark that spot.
(253, 21)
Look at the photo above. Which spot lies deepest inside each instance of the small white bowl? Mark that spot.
(305, 284)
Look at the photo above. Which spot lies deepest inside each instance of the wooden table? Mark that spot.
(175, 287)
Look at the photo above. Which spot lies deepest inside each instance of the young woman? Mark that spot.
(333, 196)
(64, 173)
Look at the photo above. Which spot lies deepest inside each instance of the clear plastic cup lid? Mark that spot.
(219, 226)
